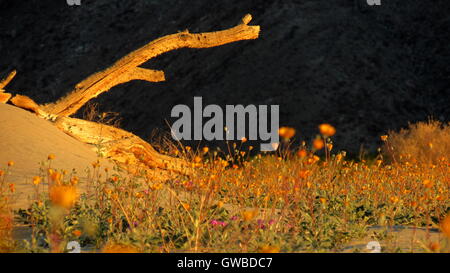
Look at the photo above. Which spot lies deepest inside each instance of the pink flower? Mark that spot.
(214, 223)
(261, 224)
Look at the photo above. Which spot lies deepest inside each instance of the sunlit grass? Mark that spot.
(290, 200)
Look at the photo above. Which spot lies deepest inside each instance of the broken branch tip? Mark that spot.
(246, 19)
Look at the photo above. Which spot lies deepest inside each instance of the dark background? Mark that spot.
(363, 69)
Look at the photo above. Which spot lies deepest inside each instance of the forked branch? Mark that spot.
(126, 69)
(119, 145)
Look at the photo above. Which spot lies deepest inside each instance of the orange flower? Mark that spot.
(10, 163)
(205, 150)
(107, 191)
(384, 138)
(327, 130)
(428, 184)
(286, 132)
(36, 180)
(248, 215)
(394, 199)
(12, 187)
(224, 163)
(269, 249)
(186, 206)
(1, 173)
(51, 157)
(95, 164)
(244, 139)
(76, 233)
(304, 173)
(330, 146)
(74, 180)
(56, 177)
(313, 159)
(156, 186)
(318, 144)
(302, 153)
(63, 196)
(197, 159)
(445, 226)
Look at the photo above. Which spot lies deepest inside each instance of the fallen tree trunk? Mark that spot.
(123, 147)
(119, 145)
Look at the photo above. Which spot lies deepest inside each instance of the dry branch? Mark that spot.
(126, 69)
(4, 97)
(119, 145)
(7, 80)
(29, 104)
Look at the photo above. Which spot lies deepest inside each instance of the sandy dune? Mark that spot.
(28, 140)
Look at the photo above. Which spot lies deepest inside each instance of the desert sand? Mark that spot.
(27, 140)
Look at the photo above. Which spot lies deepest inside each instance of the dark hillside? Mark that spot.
(363, 69)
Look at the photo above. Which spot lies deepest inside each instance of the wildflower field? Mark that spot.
(304, 197)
